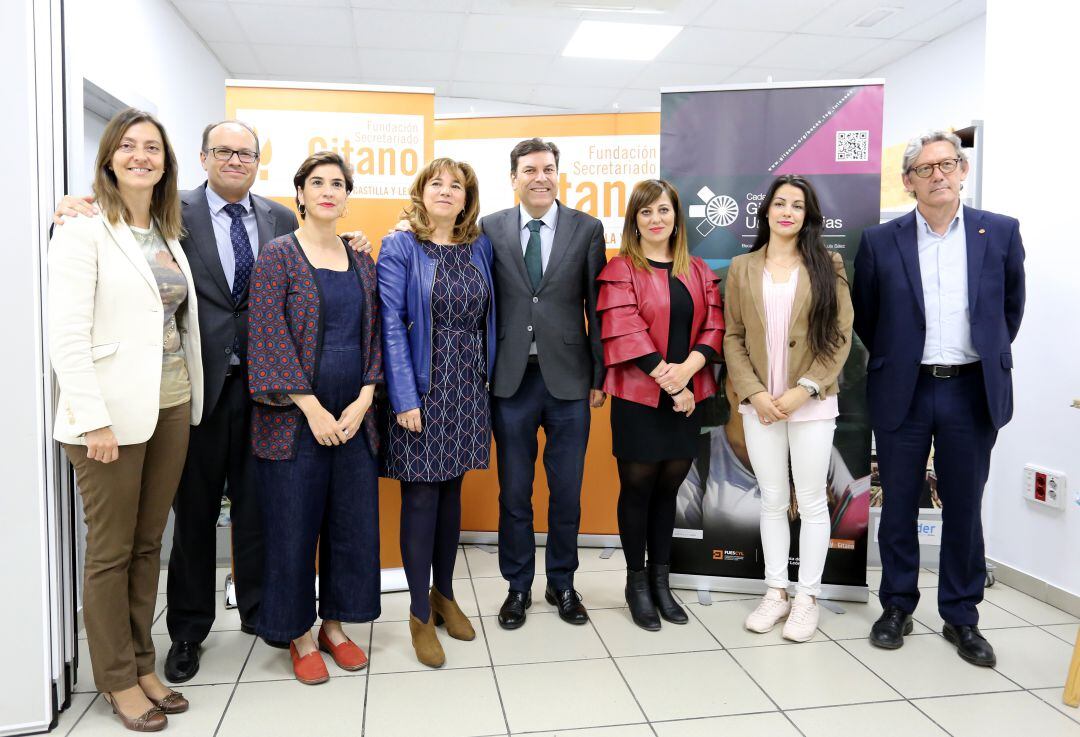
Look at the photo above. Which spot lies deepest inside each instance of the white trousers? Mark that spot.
(809, 446)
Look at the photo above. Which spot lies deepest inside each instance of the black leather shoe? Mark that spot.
(182, 662)
(661, 595)
(970, 644)
(640, 601)
(568, 602)
(889, 630)
(512, 612)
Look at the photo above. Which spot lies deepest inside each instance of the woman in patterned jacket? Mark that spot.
(314, 358)
(438, 316)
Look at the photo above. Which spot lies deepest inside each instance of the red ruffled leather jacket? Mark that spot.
(635, 312)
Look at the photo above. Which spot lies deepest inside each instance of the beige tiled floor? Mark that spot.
(611, 679)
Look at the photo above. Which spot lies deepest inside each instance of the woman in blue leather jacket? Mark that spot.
(438, 317)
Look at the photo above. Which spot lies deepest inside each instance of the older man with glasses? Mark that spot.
(938, 296)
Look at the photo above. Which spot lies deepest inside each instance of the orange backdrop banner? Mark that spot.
(384, 134)
(601, 158)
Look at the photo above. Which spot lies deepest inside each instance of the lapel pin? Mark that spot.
(982, 231)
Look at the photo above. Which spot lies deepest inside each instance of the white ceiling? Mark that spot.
(509, 51)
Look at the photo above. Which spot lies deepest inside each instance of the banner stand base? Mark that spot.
(729, 585)
(484, 537)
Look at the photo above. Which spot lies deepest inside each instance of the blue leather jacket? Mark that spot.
(406, 276)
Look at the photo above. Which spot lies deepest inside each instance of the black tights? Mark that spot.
(430, 530)
(647, 509)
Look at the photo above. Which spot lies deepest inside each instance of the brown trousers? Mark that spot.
(126, 504)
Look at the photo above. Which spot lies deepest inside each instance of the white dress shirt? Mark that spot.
(943, 266)
(547, 231)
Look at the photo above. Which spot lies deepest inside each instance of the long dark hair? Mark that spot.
(824, 328)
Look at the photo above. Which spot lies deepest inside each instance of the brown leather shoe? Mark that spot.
(173, 703)
(446, 610)
(153, 720)
(425, 642)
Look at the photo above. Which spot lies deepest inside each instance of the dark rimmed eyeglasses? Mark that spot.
(923, 171)
(224, 153)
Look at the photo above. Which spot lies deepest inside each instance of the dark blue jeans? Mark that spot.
(515, 421)
(326, 495)
(952, 414)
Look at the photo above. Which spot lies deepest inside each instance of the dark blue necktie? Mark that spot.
(534, 262)
(242, 255)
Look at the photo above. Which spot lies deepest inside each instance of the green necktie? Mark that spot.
(534, 263)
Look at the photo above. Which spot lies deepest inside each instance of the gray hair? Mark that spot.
(916, 145)
(242, 124)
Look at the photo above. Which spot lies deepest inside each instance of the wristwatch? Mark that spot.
(809, 386)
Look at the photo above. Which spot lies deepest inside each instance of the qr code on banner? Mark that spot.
(852, 145)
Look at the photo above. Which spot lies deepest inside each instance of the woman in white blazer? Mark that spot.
(124, 342)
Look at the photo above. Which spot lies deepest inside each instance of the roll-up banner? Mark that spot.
(722, 147)
(384, 133)
(601, 157)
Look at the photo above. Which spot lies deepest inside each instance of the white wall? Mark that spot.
(142, 52)
(939, 85)
(1028, 114)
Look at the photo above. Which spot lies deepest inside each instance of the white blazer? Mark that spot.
(106, 332)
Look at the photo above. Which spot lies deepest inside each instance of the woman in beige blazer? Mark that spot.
(787, 308)
(124, 342)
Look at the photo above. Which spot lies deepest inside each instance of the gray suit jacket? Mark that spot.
(571, 358)
(219, 317)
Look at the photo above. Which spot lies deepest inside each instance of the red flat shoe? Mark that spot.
(347, 655)
(309, 669)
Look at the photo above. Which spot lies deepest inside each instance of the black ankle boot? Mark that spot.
(642, 609)
(661, 595)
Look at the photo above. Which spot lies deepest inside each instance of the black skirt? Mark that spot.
(652, 434)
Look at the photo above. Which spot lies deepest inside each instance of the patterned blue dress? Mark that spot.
(455, 413)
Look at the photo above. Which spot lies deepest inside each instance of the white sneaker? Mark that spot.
(770, 610)
(803, 620)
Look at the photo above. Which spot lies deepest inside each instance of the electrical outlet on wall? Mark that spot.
(1045, 487)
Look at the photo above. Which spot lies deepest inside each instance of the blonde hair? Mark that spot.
(466, 228)
(165, 201)
(645, 193)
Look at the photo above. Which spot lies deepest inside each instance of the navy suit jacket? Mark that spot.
(890, 315)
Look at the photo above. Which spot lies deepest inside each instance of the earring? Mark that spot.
(675, 230)
(301, 208)
(637, 233)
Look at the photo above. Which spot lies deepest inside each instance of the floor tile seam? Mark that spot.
(1043, 627)
(357, 674)
(487, 644)
(1018, 686)
(571, 730)
(235, 686)
(928, 716)
(724, 716)
(857, 660)
(85, 711)
(1047, 703)
(615, 663)
(735, 660)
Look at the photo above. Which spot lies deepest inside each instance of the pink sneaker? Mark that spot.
(771, 609)
(802, 622)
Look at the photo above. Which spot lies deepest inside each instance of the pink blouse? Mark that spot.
(779, 298)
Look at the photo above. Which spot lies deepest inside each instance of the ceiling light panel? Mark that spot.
(631, 41)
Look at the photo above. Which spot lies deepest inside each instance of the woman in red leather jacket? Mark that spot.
(661, 323)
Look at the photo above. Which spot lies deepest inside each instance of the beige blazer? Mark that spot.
(105, 332)
(745, 350)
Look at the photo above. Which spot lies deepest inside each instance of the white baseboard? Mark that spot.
(1036, 588)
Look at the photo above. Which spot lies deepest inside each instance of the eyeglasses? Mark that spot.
(223, 153)
(948, 166)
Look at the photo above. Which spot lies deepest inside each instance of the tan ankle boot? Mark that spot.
(446, 610)
(425, 642)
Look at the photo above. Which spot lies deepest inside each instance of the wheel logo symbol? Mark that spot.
(719, 211)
